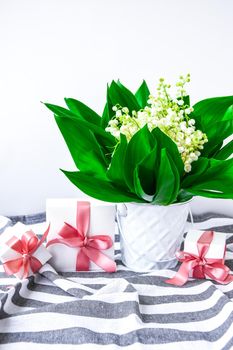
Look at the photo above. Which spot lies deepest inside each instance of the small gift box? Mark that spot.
(203, 257)
(216, 242)
(22, 252)
(81, 235)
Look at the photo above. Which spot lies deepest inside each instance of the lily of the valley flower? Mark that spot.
(170, 114)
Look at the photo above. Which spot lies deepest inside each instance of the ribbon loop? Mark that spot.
(200, 265)
(89, 246)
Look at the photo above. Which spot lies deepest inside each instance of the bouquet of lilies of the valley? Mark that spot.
(148, 148)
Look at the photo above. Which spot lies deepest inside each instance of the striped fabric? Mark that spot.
(129, 310)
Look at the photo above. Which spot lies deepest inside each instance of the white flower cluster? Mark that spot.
(169, 114)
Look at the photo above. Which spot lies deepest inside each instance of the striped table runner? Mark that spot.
(96, 310)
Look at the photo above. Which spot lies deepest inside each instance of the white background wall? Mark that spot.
(50, 49)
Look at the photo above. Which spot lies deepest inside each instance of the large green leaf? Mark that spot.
(210, 194)
(62, 112)
(99, 188)
(213, 110)
(198, 168)
(167, 180)
(66, 113)
(83, 146)
(130, 96)
(138, 148)
(108, 112)
(216, 181)
(83, 111)
(145, 174)
(176, 186)
(216, 134)
(225, 152)
(215, 149)
(106, 141)
(214, 116)
(116, 170)
(166, 142)
(142, 94)
(139, 189)
(105, 116)
(118, 94)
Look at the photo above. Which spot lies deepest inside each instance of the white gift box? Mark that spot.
(7, 254)
(216, 249)
(102, 222)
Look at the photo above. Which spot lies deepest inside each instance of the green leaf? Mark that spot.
(145, 174)
(198, 168)
(216, 181)
(83, 146)
(108, 113)
(119, 94)
(184, 196)
(116, 170)
(61, 111)
(142, 94)
(225, 152)
(166, 142)
(129, 94)
(105, 139)
(216, 135)
(214, 150)
(176, 186)
(213, 110)
(167, 181)
(99, 188)
(186, 100)
(83, 111)
(138, 148)
(139, 189)
(105, 117)
(214, 116)
(212, 194)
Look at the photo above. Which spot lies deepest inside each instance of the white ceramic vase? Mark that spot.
(150, 235)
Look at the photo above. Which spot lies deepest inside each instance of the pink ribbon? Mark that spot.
(26, 246)
(90, 246)
(200, 265)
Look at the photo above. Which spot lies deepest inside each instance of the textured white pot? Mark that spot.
(150, 235)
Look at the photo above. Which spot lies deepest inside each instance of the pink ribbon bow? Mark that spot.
(89, 246)
(200, 265)
(26, 246)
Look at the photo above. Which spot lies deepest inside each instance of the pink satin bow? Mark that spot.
(200, 265)
(89, 246)
(26, 246)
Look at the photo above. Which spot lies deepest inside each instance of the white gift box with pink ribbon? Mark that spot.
(72, 248)
(216, 249)
(22, 258)
(203, 257)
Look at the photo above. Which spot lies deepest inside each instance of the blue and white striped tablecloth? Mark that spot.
(129, 310)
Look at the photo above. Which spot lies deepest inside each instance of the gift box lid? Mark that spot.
(60, 210)
(70, 201)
